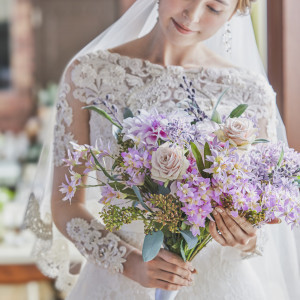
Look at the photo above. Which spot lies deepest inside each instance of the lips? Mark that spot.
(181, 28)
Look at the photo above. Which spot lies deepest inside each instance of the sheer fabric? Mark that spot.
(137, 84)
(95, 72)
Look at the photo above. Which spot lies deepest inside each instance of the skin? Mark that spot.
(165, 45)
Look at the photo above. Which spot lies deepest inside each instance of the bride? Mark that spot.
(141, 61)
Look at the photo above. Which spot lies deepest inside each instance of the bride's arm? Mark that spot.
(73, 220)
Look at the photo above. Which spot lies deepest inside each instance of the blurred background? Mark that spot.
(37, 39)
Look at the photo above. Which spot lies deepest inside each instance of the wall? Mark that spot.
(291, 74)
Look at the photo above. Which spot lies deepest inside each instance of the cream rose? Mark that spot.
(238, 131)
(168, 163)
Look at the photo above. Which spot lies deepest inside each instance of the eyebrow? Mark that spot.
(222, 2)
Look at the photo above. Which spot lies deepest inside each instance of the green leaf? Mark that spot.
(102, 168)
(127, 113)
(163, 190)
(138, 194)
(182, 250)
(258, 141)
(199, 159)
(216, 117)
(216, 106)
(189, 238)
(207, 152)
(183, 226)
(238, 111)
(102, 113)
(152, 245)
(280, 158)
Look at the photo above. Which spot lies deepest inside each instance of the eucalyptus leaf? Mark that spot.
(238, 111)
(127, 113)
(189, 238)
(259, 141)
(182, 250)
(138, 194)
(102, 113)
(216, 117)
(152, 245)
(163, 190)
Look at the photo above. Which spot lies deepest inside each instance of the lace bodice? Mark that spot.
(140, 84)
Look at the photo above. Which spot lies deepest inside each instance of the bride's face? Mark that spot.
(186, 22)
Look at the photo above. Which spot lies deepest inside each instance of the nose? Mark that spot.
(194, 11)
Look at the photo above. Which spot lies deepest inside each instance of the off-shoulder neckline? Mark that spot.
(148, 63)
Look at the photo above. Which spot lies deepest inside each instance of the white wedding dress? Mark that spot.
(138, 84)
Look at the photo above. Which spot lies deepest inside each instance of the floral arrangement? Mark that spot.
(172, 170)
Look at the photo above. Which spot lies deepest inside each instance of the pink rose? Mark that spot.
(168, 163)
(238, 131)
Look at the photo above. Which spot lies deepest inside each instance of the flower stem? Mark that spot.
(199, 247)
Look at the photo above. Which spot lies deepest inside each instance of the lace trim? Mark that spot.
(102, 251)
(261, 240)
(51, 254)
(34, 222)
(64, 118)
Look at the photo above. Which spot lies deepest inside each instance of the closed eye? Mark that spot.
(213, 10)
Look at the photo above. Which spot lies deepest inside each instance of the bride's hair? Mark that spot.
(244, 5)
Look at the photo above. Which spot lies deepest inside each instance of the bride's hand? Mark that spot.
(166, 271)
(234, 231)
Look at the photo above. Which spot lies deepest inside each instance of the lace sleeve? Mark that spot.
(261, 240)
(75, 221)
(265, 108)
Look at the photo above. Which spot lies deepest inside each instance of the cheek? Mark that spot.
(211, 24)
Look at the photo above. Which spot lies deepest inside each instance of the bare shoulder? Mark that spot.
(128, 49)
(216, 61)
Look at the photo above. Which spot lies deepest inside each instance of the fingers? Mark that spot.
(275, 221)
(235, 231)
(166, 285)
(243, 224)
(214, 233)
(227, 235)
(172, 278)
(174, 269)
(174, 259)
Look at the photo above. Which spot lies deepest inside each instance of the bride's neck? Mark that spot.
(157, 49)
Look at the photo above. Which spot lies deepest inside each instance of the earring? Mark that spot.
(227, 38)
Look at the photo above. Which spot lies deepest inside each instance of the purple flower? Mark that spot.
(69, 189)
(109, 194)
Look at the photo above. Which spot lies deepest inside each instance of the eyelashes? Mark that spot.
(214, 10)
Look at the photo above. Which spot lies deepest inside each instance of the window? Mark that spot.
(5, 72)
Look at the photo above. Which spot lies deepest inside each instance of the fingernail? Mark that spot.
(191, 268)
(227, 210)
(191, 282)
(218, 209)
(215, 213)
(279, 221)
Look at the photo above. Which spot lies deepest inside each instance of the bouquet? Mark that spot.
(173, 169)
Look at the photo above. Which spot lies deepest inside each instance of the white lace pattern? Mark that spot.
(140, 84)
(102, 251)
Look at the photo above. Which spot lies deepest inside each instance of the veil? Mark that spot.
(53, 251)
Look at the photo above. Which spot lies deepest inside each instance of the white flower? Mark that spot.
(238, 131)
(168, 163)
